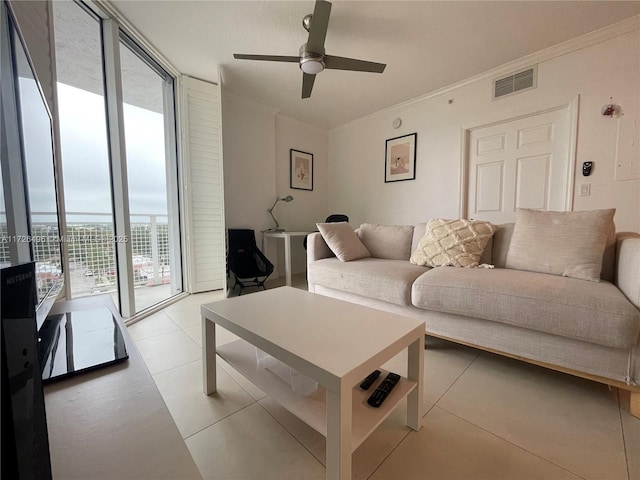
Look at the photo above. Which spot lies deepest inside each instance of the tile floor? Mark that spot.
(486, 417)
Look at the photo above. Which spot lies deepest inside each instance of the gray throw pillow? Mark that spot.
(343, 241)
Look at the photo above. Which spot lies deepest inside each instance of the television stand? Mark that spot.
(112, 422)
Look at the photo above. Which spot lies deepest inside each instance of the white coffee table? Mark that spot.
(333, 342)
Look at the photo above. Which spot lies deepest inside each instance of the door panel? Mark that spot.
(532, 182)
(489, 187)
(522, 163)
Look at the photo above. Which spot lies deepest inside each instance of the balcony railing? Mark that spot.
(90, 244)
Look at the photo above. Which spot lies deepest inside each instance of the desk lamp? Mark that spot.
(277, 228)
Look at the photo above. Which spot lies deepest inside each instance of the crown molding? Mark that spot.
(245, 102)
(302, 124)
(609, 32)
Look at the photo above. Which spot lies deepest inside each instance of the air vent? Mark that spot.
(516, 82)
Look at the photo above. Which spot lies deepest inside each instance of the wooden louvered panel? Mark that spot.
(205, 196)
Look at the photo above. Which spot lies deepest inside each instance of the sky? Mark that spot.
(85, 155)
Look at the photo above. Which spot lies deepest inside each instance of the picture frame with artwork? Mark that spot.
(400, 158)
(301, 170)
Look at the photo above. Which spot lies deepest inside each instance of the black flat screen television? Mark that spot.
(25, 442)
(29, 220)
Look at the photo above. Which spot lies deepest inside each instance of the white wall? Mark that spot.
(256, 144)
(308, 206)
(248, 142)
(593, 68)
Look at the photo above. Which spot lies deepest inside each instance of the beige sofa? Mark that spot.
(585, 328)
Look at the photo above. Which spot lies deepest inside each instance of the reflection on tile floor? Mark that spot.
(486, 417)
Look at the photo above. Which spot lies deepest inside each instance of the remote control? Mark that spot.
(367, 382)
(380, 393)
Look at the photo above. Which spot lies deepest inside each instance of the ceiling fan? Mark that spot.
(312, 58)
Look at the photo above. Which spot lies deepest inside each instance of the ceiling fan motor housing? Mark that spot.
(311, 62)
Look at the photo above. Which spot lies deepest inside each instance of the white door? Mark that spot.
(522, 163)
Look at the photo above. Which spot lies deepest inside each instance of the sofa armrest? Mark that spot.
(628, 265)
(317, 248)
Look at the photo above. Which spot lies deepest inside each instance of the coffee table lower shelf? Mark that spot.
(311, 408)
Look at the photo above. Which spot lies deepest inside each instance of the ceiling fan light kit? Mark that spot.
(312, 59)
(311, 63)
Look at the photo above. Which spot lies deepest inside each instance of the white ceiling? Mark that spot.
(426, 45)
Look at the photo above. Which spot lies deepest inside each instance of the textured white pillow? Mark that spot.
(457, 243)
(343, 241)
(570, 244)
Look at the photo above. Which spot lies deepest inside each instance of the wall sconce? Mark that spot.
(610, 110)
(277, 228)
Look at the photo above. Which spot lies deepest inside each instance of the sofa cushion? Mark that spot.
(589, 311)
(387, 280)
(387, 241)
(343, 241)
(570, 244)
(459, 243)
(501, 240)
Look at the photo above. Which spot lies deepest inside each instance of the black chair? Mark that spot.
(335, 218)
(246, 264)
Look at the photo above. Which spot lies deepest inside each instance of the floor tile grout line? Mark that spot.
(391, 452)
(410, 432)
(290, 432)
(217, 364)
(221, 419)
(455, 380)
(519, 447)
(253, 400)
(155, 334)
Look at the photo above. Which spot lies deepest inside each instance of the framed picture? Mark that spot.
(400, 158)
(301, 170)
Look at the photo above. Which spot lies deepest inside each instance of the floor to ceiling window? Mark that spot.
(117, 125)
(85, 151)
(147, 92)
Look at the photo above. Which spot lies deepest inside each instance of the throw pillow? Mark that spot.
(457, 243)
(569, 244)
(343, 241)
(387, 241)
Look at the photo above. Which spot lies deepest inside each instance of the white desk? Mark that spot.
(333, 342)
(286, 236)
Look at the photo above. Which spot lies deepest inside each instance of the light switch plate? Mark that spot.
(585, 189)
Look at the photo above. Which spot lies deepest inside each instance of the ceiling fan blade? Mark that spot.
(343, 63)
(307, 84)
(267, 58)
(319, 25)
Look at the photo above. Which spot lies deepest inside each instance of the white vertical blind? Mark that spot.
(203, 185)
